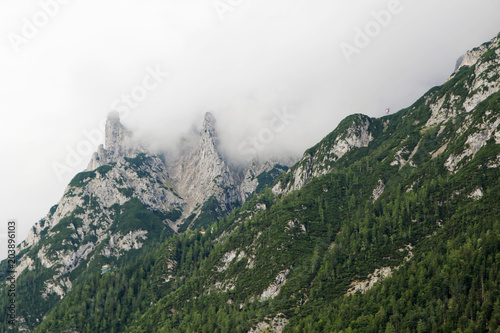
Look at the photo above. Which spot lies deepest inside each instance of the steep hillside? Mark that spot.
(388, 224)
(121, 205)
(125, 203)
(211, 185)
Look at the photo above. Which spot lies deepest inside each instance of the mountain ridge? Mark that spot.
(408, 199)
(125, 202)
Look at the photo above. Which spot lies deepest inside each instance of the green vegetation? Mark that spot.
(137, 163)
(437, 231)
(82, 179)
(104, 169)
(114, 300)
(211, 211)
(128, 192)
(328, 234)
(64, 238)
(134, 215)
(172, 215)
(186, 222)
(53, 210)
(267, 178)
(32, 298)
(31, 305)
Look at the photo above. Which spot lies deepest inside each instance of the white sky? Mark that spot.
(244, 61)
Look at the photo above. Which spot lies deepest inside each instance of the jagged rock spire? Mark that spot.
(118, 143)
(115, 134)
(209, 123)
(208, 134)
(203, 172)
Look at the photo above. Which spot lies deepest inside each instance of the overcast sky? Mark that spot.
(278, 75)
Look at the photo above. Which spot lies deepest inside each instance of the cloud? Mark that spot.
(262, 58)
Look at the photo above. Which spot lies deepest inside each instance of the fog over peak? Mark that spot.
(275, 75)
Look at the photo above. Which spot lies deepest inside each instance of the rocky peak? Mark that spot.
(115, 134)
(118, 143)
(353, 132)
(209, 124)
(471, 57)
(482, 66)
(203, 171)
(209, 140)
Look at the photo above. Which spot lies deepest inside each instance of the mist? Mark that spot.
(278, 76)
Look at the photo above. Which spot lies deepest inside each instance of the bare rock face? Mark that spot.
(274, 289)
(118, 143)
(487, 129)
(84, 225)
(318, 162)
(471, 57)
(203, 172)
(119, 171)
(274, 325)
(484, 62)
(257, 167)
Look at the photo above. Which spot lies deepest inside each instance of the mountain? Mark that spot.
(211, 185)
(388, 224)
(410, 199)
(126, 202)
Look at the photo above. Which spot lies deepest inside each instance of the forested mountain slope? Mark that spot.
(123, 205)
(388, 224)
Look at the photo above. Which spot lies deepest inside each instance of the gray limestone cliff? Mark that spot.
(118, 144)
(204, 175)
(353, 132)
(471, 57)
(474, 80)
(90, 222)
(127, 198)
(202, 172)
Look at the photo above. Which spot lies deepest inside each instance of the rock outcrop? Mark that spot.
(118, 144)
(464, 95)
(91, 220)
(203, 172)
(471, 57)
(319, 160)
